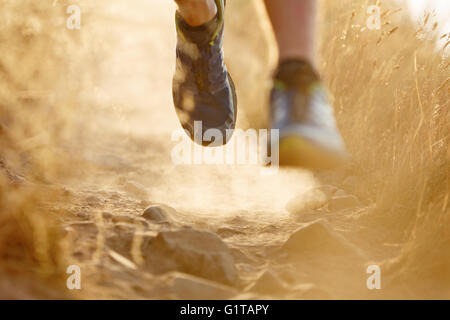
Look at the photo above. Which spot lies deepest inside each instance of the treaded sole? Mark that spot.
(296, 151)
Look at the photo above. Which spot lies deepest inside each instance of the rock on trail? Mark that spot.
(319, 238)
(195, 252)
(157, 214)
(269, 283)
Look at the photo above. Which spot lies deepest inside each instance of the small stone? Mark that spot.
(93, 201)
(309, 200)
(79, 254)
(343, 202)
(195, 252)
(107, 215)
(82, 214)
(188, 287)
(318, 237)
(269, 283)
(155, 214)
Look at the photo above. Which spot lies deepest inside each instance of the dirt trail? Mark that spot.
(213, 232)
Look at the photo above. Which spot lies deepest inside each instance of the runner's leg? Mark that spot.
(197, 12)
(294, 24)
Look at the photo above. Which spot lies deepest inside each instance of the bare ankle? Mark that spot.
(197, 12)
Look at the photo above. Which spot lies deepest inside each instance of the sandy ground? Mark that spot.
(211, 231)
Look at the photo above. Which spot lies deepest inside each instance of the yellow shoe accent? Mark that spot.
(296, 151)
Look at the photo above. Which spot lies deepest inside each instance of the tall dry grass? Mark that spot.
(391, 90)
(391, 96)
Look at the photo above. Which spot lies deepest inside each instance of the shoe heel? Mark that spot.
(296, 151)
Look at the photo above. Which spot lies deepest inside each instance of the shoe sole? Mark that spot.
(296, 151)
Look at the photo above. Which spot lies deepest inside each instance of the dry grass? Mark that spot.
(391, 97)
(391, 91)
(38, 93)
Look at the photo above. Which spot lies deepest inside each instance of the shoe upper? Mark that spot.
(202, 88)
(299, 106)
